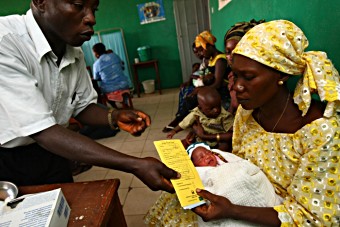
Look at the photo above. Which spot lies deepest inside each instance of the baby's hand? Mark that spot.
(171, 134)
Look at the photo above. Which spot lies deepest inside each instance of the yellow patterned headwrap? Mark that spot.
(280, 45)
(203, 38)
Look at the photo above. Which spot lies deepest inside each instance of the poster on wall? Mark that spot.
(222, 3)
(151, 12)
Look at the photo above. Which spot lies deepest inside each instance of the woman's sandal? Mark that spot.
(168, 128)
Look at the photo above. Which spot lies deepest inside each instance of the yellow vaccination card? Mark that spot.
(174, 155)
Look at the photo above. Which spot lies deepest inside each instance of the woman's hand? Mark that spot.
(221, 208)
(218, 208)
(133, 121)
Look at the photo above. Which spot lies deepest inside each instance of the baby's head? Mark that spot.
(208, 79)
(209, 102)
(201, 155)
(195, 67)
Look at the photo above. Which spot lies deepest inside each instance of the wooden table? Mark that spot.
(97, 202)
(144, 64)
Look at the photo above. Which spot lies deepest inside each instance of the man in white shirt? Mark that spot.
(43, 82)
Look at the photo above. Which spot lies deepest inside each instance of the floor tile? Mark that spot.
(136, 183)
(139, 200)
(156, 134)
(149, 146)
(122, 193)
(135, 221)
(125, 178)
(132, 146)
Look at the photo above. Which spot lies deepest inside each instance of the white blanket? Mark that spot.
(241, 182)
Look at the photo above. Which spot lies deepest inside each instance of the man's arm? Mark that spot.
(132, 121)
(74, 146)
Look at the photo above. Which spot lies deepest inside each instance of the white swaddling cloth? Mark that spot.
(241, 182)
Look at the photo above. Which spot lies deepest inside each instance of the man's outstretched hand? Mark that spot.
(155, 174)
(133, 121)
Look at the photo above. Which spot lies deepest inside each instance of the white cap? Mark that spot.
(193, 146)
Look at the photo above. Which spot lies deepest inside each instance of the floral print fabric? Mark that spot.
(303, 167)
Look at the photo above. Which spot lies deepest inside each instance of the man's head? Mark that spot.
(99, 49)
(65, 21)
(209, 102)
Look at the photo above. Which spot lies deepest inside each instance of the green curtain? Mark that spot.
(87, 49)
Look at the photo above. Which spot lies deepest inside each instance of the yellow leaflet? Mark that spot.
(174, 155)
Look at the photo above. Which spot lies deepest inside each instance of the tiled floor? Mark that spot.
(134, 195)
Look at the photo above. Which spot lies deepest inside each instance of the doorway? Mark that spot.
(191, 18)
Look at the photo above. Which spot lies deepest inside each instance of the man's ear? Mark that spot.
(38, 5)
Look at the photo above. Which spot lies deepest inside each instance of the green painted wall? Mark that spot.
(160, 36)
(318, 19)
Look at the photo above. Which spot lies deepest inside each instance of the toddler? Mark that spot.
(214, 119)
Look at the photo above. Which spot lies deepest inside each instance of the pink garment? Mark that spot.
(117, 96)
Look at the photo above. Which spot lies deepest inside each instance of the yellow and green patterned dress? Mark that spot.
(303, 167)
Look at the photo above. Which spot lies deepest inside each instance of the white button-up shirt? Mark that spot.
(36, 93)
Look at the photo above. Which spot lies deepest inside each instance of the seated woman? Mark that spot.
(215, 120)
(108, 69)
(217, 66)
(292, 138)
(222, 173)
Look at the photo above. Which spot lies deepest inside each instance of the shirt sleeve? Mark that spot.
(187, 121)
(23, 108)
(85, 90)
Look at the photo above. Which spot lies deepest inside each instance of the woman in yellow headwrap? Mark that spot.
(293, 138)
(216, 76)
(217, 66)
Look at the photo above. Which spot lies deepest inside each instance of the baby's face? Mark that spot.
(203, 157)
(210, 109)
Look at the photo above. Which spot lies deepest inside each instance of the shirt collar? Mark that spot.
(41, 44)
(37, 36)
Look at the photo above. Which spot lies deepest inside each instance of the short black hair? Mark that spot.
(196, 64)
(99, 48)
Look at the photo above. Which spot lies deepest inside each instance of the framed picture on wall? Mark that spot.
(222, 3)
(151, 12)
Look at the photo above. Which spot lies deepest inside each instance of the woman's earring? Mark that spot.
(240, 87)
(280, 82)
